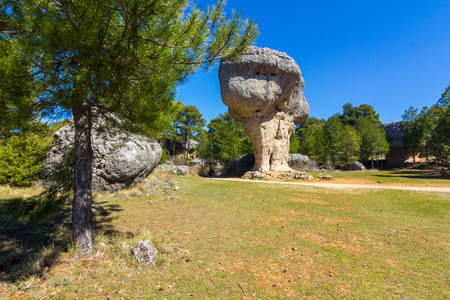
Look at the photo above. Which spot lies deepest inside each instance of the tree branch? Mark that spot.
(66, 12)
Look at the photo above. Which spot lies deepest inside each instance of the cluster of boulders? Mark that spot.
(169, 166)
(283, 175)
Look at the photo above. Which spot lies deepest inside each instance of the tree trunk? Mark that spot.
(188, 145)
(414, 156)
(372, 162)
(426, 153)
(83, 229)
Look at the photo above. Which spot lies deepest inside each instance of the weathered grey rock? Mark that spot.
(254, 175)
(394, 135)
(301, 175)
(144, 252)
(302, 162)
(356, 166)
(120, 159)
(243, 163)
(264, 90)
(176, 148)
(195, 162)
(177, 170)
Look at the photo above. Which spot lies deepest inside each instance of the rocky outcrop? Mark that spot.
(394, 135)
(179, 147)
(263, 89)
(120, 159)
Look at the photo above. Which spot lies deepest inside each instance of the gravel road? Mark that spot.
(345, 186)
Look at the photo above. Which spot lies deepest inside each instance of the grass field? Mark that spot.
(238, 240)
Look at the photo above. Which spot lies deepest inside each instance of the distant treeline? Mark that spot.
(355, 134)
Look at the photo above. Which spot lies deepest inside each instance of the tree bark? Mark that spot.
(82, 226)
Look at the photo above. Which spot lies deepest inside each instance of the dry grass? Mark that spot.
(235, 240)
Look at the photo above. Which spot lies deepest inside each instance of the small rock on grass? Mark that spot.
(144, 252)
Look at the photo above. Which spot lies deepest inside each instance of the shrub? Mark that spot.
(21, 157)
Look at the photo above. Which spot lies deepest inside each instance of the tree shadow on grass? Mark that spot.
(416, 174)
(32, 248)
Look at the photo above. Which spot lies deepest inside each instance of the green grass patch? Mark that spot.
(401, 177)
(231, 240)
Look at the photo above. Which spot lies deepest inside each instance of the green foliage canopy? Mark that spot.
(372, 139)
(312, 140)
(117, 59)
(225, 140)
(351, 114)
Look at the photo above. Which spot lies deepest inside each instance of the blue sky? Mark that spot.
(388, 54)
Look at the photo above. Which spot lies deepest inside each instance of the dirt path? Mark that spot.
(344, 186)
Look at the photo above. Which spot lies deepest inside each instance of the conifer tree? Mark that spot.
(120, 60)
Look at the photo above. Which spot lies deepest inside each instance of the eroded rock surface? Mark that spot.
(394, 135)
(144, 252)
(120, 159)
(263, 89)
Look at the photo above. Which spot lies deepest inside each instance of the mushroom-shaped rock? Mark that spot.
(263, 89)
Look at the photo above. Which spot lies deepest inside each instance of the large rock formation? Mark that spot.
(120, 159)
(397, 152)
(263, 89)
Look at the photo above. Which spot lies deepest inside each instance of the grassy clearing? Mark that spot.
(401, 177)
(244, 240)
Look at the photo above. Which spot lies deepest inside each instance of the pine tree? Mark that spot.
(225, 140)
(350, 144)
(334, 142)
(372, 140)
(413, 133)
(120, 60)
(311, 139)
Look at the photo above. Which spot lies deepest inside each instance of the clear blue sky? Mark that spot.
(388, 54)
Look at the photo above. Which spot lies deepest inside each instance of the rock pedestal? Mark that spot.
(263, 89)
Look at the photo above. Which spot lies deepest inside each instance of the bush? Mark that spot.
(164, 157)
(21, 157)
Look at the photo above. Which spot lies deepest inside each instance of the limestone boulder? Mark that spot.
(120, 160)
(398, 153)
(144, 252)
(243, 163)
(356, 166)
(302, 162)
(263, 89)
